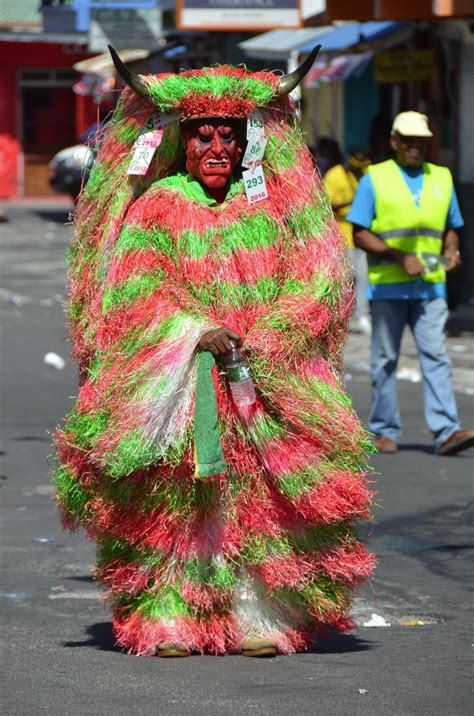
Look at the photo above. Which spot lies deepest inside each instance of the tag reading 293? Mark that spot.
(254, 182)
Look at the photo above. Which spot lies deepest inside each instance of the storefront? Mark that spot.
(39, 113)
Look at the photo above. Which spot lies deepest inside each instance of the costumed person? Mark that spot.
(222, 525)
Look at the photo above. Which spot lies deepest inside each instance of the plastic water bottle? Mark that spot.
(432, 262)
(240, 381)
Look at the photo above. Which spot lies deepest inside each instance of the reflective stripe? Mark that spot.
(374, 260)
(401, 233)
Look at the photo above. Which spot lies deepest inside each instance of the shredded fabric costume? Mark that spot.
(268, 545)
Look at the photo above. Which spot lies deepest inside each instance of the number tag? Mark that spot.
(254, 151)
(254, 182)
(141, 160)
(158, 121)
(148, 140)
(255, 124)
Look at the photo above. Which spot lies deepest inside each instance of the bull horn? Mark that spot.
(290, 81)
(136, 82)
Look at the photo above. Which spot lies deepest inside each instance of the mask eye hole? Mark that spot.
(204, 138)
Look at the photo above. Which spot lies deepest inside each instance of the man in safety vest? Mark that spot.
(405, 216)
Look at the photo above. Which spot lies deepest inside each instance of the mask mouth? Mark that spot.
(212, 164)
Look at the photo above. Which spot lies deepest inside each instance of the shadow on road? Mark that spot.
(337, 643)
(59, 216)
(100, 636)
(417, 447)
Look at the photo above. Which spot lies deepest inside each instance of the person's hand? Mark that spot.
(218, 340)
(410, 263)
(453, 260)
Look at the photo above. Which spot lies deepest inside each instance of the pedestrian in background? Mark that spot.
(341, 183)
(405, 216)
(327, 154)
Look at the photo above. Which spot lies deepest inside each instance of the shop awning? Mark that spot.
(103, 66)
(338, 68)
(352, 34)
(279, 44)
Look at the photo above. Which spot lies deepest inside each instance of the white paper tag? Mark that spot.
(255, 124)
(254, 151)
(254, 183)
(158, 121)
(148, 140)
(141, 160)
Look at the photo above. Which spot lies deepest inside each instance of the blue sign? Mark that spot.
(84, 7)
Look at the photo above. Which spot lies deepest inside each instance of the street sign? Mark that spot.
(124, 29)
(404, 66)
(231, 15)
(83, 8)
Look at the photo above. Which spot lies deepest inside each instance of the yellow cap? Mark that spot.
(411, 124)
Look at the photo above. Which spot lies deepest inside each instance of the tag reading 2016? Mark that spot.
(254, 182)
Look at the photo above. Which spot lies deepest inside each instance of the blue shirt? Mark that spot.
(362, 213)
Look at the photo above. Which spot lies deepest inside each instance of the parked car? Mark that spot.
(69, 169)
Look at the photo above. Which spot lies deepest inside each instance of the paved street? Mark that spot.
(59, 655)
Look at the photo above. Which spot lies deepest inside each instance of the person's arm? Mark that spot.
(451, 250)
(451, 238)
(370, 242)
(336, 207)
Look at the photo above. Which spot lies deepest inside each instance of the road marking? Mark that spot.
(85, 594)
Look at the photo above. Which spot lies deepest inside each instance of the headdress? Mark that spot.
(222, 91)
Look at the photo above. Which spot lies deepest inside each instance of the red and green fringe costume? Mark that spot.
(268, 547)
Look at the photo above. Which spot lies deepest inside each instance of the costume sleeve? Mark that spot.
(310, 315)
(362, 211)
(135, 405)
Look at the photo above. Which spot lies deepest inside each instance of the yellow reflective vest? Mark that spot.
(403, 225)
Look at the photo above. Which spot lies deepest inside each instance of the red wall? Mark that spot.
(16, 55)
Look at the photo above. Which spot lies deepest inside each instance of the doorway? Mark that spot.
(47, 122)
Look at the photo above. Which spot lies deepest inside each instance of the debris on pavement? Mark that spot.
(458, 348)
(54, 360)
(363, 691)
(43, 540)
(13, 595)
(45, 490)
(376, 621)
(411, 374)
(412, 622)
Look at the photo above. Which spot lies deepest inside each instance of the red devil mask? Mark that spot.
(213, 148)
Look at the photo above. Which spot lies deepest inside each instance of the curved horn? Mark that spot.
(290, 81)
(133, 80)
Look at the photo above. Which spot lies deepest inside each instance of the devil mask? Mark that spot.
(213, 148)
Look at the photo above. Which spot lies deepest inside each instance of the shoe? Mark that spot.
(385, 444)
(258, 646)
(172, 649)
(459, 440)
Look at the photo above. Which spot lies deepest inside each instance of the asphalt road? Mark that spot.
(59, 655)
